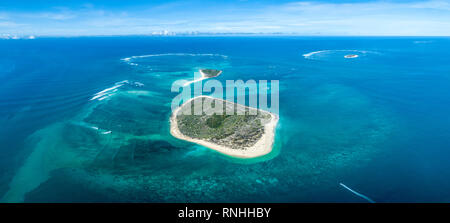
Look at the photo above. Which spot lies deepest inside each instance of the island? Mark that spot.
(246, 133)
(209, 73)
(206, 73)
(351, 56)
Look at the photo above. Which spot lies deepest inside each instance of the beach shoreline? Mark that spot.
(204, 76)
(262, 147)
(351, 56)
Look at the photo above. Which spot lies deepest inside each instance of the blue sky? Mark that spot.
(119, 17)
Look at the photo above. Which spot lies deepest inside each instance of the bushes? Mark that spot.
(233, 130)
(215, 121)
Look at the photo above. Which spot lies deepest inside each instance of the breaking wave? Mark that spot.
(130, 59)
(317, 54)
(108, 92)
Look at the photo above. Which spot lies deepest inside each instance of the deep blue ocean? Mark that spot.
(87, 120)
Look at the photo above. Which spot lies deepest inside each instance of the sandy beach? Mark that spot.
(351, 56)
(199, 79)
(262, 147)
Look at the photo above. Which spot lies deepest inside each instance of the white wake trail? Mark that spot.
(357, 194)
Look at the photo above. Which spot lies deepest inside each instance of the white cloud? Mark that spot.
(437, 5)
(3, 15)
(305, 18)
(7, 24)
(56, 16)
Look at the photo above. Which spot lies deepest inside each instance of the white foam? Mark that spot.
(308, 55)
(177, 54)
(357, 194)
(109, 91)
(129, 59)
(103, 92)
(123, 82)
(96, 96)
(193, 81)
(103, 98)
(199, 79)
(103, 132)
(422, 41)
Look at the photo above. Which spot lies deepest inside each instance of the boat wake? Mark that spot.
(357, 194)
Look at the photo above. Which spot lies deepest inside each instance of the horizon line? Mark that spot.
(211, 35)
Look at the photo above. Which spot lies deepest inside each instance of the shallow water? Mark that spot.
(86, 119)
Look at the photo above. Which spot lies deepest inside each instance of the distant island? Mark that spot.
(351, 56)
(240, 135)
(206, 73)
(209, 73)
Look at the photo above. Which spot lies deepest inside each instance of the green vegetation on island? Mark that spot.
(235, 131)
(210, 72)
